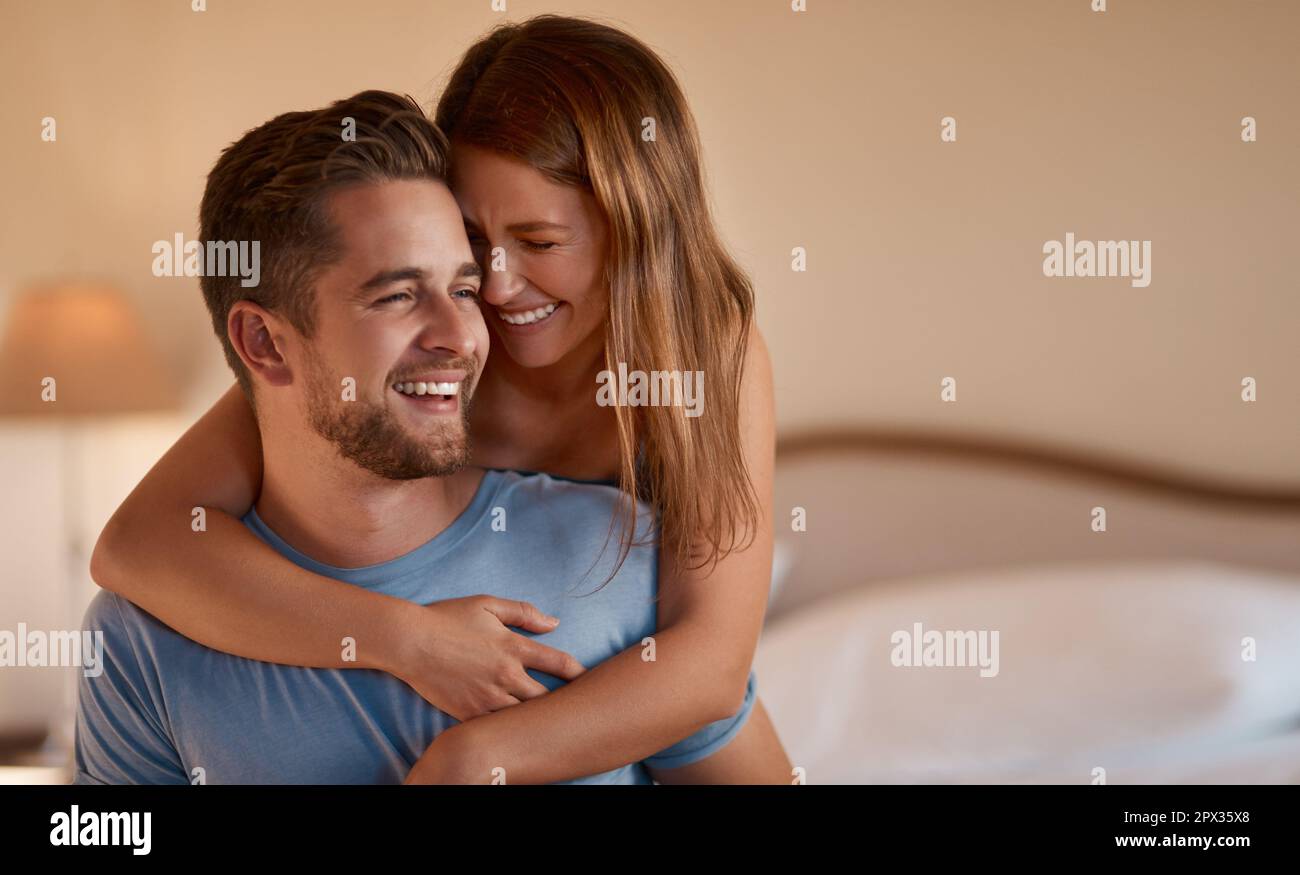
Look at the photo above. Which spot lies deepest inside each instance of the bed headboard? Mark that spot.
(888, 504)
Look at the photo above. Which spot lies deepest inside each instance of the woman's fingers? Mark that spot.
(503, 701)
(536, 655)
(526, 688)
(524, 615)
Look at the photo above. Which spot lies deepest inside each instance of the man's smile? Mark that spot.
(431, 395)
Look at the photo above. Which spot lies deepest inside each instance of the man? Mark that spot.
(371, 490)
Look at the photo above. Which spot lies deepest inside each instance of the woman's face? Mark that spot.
(542, 247)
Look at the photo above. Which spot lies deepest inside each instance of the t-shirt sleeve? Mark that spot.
(708, 740)
(120, 738)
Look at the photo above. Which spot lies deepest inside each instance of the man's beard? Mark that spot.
(370, 435)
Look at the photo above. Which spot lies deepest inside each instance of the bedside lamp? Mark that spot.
(72, 353)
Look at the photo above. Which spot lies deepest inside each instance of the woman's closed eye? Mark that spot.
(537, 245)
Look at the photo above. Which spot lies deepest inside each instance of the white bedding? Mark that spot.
(1133, 667)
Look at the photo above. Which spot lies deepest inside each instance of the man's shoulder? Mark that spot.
(122, 639)
(123, 624)
(108, 610)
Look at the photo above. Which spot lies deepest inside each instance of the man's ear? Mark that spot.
(258, 337)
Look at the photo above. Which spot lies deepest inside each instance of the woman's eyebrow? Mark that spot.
(529, 227)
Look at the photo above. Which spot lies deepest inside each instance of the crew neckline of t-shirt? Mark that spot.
(609, 481)
(384, 572)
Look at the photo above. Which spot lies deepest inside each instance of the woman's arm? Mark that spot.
(626, 709)
(754, 756)
(227, 589)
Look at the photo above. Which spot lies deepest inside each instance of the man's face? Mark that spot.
(399, 314)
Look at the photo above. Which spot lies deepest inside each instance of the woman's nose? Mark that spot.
(500, 283)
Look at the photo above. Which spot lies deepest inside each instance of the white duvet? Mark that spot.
(1133, 672)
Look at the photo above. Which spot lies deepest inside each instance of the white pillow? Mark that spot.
(1133, 667)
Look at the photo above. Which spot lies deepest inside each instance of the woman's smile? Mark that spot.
(524, 322)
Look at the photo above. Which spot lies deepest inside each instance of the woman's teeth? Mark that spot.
(527, 317)
(427, 388)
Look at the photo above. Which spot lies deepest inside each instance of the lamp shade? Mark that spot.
(79, 349)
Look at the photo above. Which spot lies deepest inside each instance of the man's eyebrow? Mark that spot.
(529, 227)
(469, 269)
(386, 277)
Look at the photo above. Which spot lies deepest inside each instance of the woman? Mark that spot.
(576, 166)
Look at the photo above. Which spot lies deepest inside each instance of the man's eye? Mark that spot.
(471, 293)
(393, 298)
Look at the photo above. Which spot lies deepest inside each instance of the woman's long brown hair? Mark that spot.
(573, 98)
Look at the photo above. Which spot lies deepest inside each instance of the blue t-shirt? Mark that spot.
(165, 706)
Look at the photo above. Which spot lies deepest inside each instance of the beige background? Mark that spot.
(821, 129)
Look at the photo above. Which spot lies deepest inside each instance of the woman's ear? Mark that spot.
(258, 338)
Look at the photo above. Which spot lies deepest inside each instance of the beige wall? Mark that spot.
(821, 130)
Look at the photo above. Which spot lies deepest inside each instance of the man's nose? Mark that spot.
(451, 327)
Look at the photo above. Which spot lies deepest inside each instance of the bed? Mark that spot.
(1162, 649)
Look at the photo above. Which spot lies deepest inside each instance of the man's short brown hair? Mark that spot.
(270, 186)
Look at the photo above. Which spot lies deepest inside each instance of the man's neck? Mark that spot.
(337, 513)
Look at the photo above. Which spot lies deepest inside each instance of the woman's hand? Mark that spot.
(462, 657)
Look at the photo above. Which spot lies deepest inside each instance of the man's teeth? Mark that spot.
(528, 316)
(427, 388)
